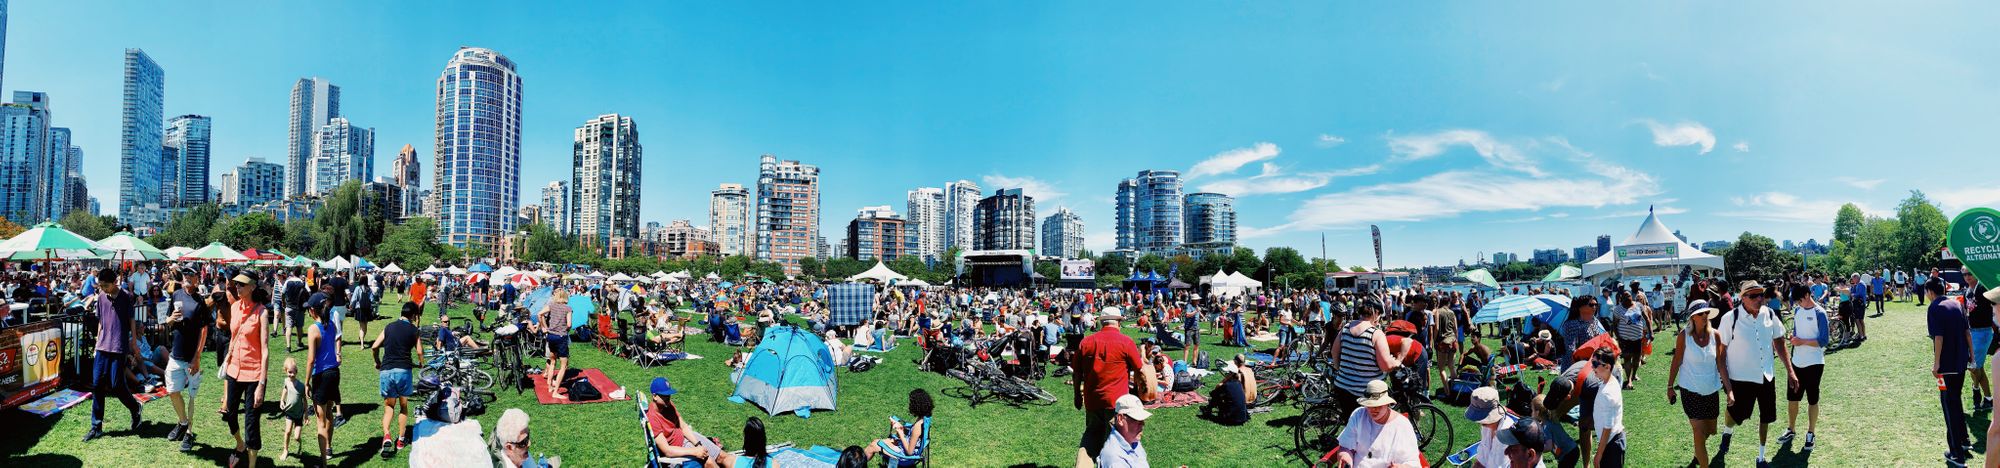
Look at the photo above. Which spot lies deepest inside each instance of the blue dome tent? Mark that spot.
(791, 370)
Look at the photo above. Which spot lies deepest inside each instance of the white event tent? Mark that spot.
(1653, 251)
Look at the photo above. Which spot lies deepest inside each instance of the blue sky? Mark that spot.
(1459, 129)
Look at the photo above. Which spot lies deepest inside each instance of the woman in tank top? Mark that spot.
(1363, 355)
(1693, 378)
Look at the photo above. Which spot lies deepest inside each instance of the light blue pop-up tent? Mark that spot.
(791, 370)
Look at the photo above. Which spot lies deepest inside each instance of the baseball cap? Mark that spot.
(1130, 406)
(661, 388)
(1526, 432)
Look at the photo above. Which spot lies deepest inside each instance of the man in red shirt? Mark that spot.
(1104, 366)
(672, 436)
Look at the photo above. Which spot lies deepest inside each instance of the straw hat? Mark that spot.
(1377, 395)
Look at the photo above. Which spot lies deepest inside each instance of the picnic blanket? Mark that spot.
(850, 304)
(1265, 336)
(157, 393)
(815, 457)
(597, 379)
(55, 402)
(1178, 399)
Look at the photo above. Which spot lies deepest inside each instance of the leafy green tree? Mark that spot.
(1151, 262)
(188, 228)
(250, 231)
(1111, 263)
(544, 244)
(1245, 261)
(1920, 231)
(1048, 269)
(302, 238)
(1755, 257)
(90, 225)
(809, 267)
(773, 270)
(348, 221)
(839, 268)
(413, 243)
(1847, 223)
(1286, 261)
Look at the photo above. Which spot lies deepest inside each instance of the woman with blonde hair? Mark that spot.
(554, 318)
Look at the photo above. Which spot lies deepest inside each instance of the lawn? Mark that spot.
(1879, 409)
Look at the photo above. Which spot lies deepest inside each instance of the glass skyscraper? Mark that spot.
(139, 175)
(184, 153)
(24, 154)
(477, 178)
(341, 152)
(1004, 221)
(1149, 212)
(927, 208)
(56, 173)
(605, 179)
(1211, 223)
(315, 102)
(960, 199)
(555, 212)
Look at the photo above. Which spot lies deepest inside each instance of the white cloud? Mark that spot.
(1788, 208)
(1741, 146)
(1042, 192)
(1687, 133)
(1856, 182)
(1329, 141)
(1558, 215)
(1498, 153)
(1453, 193)
(1100, 241)
(1273, 180)
(1957, 200)
(1229, 161)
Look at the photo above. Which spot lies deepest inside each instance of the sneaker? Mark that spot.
(176, 432)
(187, 442)
(137, 423)
(93, 434)
(1724, 446)
(388, 448)
(1953, 460)
(1786, 438)
(1762, 463)
(1809, 443)
(339, 421)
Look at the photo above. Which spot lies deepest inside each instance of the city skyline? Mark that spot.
(1532, 142)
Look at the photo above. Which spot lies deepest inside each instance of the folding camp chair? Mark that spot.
(921, 457)
(733, 334)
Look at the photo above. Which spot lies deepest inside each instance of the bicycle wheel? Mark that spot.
(1434, 434)
(1271, 392)
(1318, 430)
(476, 379)
(1031, 391)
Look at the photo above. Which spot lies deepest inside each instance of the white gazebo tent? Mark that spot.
(1653, 251)
(880, 273)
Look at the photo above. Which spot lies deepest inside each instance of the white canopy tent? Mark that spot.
(880, 273)
(1652, 251)
(1230, 284)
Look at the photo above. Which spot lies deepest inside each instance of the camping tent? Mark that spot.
(791, 370)
(1652, 251)
(880, 273)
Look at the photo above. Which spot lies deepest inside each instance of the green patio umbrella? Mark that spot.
(1563, 272)
(125, 246)
(49, 241)
(1481, 276)
(216, 252)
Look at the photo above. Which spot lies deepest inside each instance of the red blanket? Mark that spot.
(1178, 399)
(596, 378)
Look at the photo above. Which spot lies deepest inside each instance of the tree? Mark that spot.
(1151, 262)
(1755, 257)
(301, 237)
(1245, 261)
(1920, 231)
(348, 221)
(809, 267)
(1847, 223)
(1358, 269)
(250, 231)
(412, 243)
(90, 225)
(8, 229)
(188, 228)
(544, 244)
(1286, 260)
(1049, 269)
(1111, 263)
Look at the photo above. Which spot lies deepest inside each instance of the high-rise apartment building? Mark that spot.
(184, 155)
(24, 158)
(556, 207)
(56, 172)
(406, 171)
(729, 218)
(961, 198)
(787, 226)
(1603, 244)
(682, 239)
(926, 220)
(878, 233)
(1150, 212)
(1004, 221)
(477, 175)
(604, 195)
(341, 152)
(255, 182)
(1211, 219)
(315, 101)
(140, 123)
(79, 190)
(1062, 234)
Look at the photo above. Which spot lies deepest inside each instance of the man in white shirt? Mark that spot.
(1808, 361)
(1609, 413)
(1376, 435)
(1122, 449)
(1657, 299)
(1751, 334)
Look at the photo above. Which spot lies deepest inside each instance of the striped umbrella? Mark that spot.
(125, 246)
(1507, 308)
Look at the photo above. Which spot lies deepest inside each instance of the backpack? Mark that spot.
(444, 405)
(581, 390)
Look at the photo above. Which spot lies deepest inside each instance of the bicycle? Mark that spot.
(457, 368)
(985, 380)
(1319, 427)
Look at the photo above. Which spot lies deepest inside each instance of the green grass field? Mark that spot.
(1879, 410)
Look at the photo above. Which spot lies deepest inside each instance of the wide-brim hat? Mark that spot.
(1749, 285)
(1110, 313)
(1705, 312)
(1484, 406)
(1377, 395)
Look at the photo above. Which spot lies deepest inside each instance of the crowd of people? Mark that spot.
(1730, 346)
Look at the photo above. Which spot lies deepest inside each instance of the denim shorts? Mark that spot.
(396, 383)
(1982, 340)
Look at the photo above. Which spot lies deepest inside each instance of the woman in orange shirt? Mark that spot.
(243, 367)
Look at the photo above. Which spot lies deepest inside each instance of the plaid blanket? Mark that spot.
(850, 304)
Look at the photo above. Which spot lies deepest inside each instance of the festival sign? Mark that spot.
(1644, 251)
(1079, 270)
(1975, 240)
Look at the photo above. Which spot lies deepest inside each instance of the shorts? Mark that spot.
(297, 315)
(1982, 341)
(1808, 387)
(396, 383)
(1630, 349)
(1096, 428)
(326, 387)
(558, 345)
(339, 314)
(179, 380)
(1761, 394)
(1700, 407)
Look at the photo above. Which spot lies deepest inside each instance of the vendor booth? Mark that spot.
(1652, 251)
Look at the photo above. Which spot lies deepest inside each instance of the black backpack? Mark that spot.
(581, 390)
